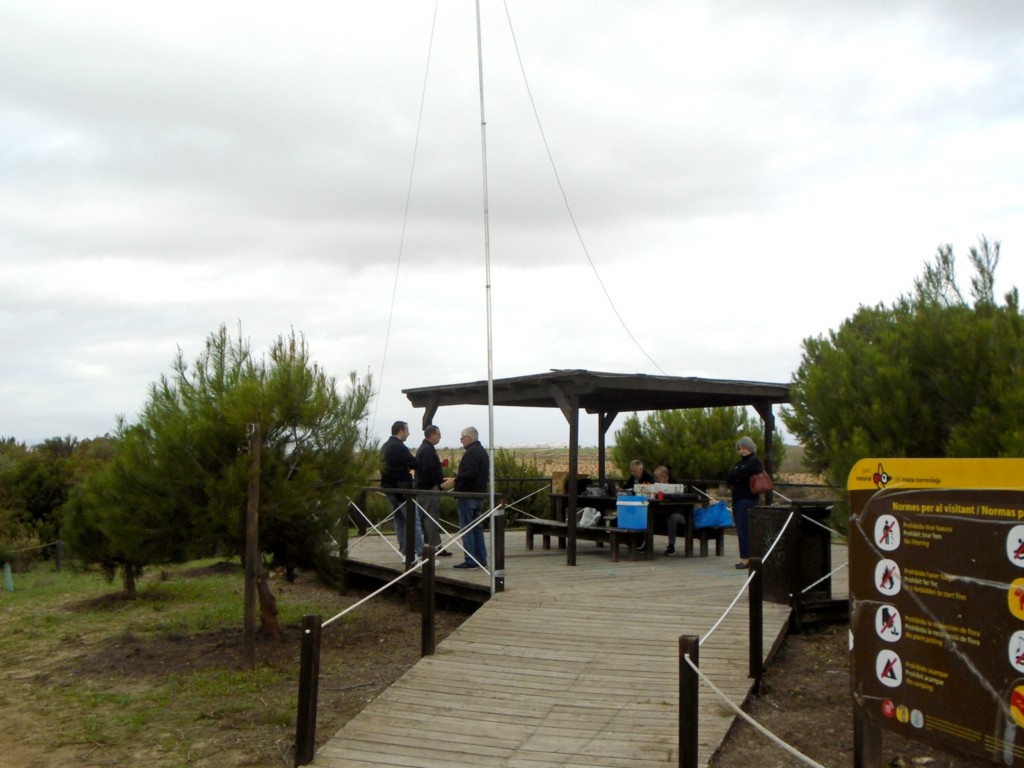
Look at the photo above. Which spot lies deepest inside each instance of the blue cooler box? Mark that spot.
(632, 511)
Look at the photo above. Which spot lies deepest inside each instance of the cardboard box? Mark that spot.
(632, 512)
(559, 485)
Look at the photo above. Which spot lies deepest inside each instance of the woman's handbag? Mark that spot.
(761, 483)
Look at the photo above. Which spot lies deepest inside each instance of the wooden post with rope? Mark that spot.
(309, 689)
(689, 693)
(252, 549)
(756, 613)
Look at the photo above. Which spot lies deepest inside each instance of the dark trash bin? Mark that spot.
(802, 556)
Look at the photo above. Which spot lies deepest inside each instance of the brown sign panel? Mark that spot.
(937, 616)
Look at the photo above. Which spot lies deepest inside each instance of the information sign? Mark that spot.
(937, 601)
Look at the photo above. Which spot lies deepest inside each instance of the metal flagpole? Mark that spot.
(487, 263)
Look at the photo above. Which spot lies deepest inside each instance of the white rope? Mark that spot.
(405, 220)
(777, 538)
(710, 632)
(826, 576)
(833, 531)
(746, 584)
(565, 200)
(37, 546)
(376, 529)
(372, 595)
(756, 725)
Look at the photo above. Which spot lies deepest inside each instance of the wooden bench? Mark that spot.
(705, 535)
(632, 538)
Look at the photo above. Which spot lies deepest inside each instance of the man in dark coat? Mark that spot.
(474, 472)
(396, 472)
(429, 476)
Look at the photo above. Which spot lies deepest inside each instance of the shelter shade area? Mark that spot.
(605, 395)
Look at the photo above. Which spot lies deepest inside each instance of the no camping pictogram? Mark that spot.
(889, 669)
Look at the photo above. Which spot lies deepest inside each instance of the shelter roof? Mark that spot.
(603, 392)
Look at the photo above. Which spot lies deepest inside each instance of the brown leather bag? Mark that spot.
(761, 483)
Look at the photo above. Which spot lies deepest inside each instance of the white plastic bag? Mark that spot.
(589, 517)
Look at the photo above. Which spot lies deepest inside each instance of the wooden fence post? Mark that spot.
(309, 686)
(252, 549)
(689, 691)
(756, 613)
(499, 547)
(427, 613)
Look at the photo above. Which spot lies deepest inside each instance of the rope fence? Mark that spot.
(305, 729)
(689, 647)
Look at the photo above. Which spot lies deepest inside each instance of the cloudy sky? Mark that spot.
(741, 175)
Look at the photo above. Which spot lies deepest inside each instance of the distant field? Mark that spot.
(557, 459)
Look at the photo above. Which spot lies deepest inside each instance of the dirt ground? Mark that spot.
(360, 658)
(805, 699)
(806, 702)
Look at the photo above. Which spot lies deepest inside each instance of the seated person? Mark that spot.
(636, 475)
(674, 520)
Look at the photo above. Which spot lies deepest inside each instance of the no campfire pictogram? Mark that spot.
(887, 577)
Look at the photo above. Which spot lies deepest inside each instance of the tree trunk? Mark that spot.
(269, 625)
(128, 580)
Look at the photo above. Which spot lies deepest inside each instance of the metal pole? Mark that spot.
(487, 279)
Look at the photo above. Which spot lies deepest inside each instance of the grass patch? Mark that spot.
(165, 669)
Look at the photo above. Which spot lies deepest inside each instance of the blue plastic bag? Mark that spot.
(712, 516)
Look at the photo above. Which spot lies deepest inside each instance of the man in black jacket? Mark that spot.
(429, 476)
(474, 471)
(396, 472)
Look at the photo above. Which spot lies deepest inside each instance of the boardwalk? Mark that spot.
(570, 666)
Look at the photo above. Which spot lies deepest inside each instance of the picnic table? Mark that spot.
(658, 511)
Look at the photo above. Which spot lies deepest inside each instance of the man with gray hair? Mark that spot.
(474, 472)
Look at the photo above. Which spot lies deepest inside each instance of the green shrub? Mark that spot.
(518, 482)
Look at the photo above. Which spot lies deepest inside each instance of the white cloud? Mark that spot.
(742, 175)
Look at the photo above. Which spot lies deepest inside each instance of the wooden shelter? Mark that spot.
(606, 395)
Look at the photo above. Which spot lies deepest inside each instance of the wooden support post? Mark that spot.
(794, 572)
(756, 613)
(252, 549)
(361, 519)
(411, 520)
(689, 694)
(427, 613)
(498, 545)
(309, 686)
(59, 556)
(867, 741)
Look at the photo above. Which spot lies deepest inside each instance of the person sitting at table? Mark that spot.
(674, 520)
(637, 474)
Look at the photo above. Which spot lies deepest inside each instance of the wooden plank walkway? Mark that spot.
(570, 666)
